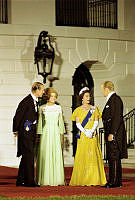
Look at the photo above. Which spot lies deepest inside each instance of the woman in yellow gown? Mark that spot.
(88, 165)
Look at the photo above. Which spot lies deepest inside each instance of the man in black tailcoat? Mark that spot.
(115, 134)
(24, 126)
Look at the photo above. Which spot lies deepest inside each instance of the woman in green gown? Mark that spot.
(50, 167)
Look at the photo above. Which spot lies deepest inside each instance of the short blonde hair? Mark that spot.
(48, 92)
(36, 86)
(109, 85)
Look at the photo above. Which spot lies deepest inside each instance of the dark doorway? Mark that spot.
(82, 78)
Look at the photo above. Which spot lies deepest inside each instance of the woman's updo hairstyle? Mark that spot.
(83, 91)
(48, 91)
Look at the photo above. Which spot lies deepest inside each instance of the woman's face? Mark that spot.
(86, 98)
(52, 98)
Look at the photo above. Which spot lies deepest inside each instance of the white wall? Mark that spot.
(40, 12)
(129, 14)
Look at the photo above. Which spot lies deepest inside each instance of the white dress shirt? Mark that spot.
(109, 95)
(35, 99)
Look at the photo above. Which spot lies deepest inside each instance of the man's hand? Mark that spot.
(15, 134)
(110, 137)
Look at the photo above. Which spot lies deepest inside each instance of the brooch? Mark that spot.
(27, 126)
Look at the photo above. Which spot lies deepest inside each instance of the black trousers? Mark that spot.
(26, 167)
(114, 161)
(115, 172)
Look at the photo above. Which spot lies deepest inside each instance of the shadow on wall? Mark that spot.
(27, 59)
(58, 61)
(125, 88)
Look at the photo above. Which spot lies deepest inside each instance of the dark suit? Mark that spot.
(112, 118)
(25, 111)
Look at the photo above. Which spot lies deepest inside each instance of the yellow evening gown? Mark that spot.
(88, 165)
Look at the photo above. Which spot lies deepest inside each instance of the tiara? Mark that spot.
(83, 89)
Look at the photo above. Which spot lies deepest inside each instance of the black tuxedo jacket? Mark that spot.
(25, 111)
(112, 118)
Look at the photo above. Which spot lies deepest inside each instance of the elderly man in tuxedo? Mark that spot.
(24, 126)
(115, 134)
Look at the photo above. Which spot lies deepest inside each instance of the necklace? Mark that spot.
(85, 107)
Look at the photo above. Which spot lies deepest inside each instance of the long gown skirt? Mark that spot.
(88, 166)
(50, 168)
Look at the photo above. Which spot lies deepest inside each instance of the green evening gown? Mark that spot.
(50, 167)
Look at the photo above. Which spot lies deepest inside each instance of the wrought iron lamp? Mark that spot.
(44, 55)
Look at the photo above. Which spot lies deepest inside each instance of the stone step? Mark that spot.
(131, 157)
(128, 165)
(131, 154)
(8, 156)
(129, 160)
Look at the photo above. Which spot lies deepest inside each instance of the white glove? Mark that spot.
(94, 126)
(79, 126)
(88, 133)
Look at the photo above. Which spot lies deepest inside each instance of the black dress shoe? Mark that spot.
(31, 185)
(110, 185)
(105, 186)
(19, 184)
(114, 185)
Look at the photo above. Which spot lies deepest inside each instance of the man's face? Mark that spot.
(104, 91)
(39, 93)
